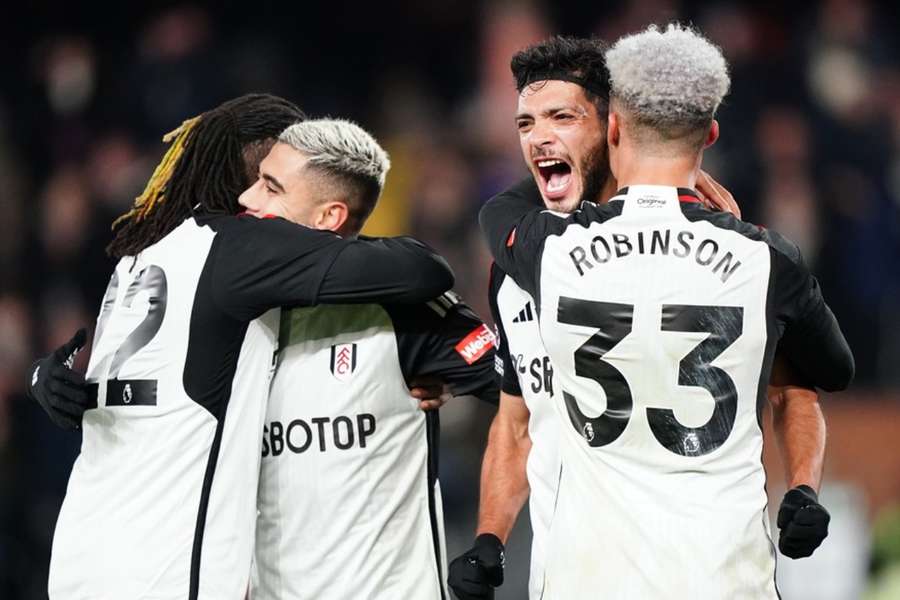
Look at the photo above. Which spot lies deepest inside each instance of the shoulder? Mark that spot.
(247, 224)
(502, 288)
(592, 212)
(779, 245)
(268, 236)
(525, 189)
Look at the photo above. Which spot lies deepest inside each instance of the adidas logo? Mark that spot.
(524, 315)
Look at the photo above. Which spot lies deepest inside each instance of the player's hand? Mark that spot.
(715, 196)
(59, 390)
(429, 391)
(803, 522)
(475, 574)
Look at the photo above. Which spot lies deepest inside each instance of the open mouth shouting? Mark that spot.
(555, 177)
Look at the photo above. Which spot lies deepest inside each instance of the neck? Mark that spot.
(609, 190)
(654, 170)
(348, 233)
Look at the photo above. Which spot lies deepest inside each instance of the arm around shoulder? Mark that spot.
(258, 264)
(398, 270)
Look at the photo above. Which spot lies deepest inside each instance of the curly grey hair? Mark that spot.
(671, 81)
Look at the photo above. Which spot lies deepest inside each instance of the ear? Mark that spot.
(613, 132)
(332, 216)
(713, 134)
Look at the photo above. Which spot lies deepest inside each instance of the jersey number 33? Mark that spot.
(614, 322)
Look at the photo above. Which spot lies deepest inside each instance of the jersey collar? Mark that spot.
(684, 194)
(647, 200)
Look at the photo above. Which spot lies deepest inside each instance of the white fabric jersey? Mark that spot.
(526, 371)
(655, 317)
(152, 458)
(349, 502)
(661, 319)
(671, 494)
(161, 501)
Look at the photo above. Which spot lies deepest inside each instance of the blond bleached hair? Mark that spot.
(340, 147)
(669, 81)
(345, 162)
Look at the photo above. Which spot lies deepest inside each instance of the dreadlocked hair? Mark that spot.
(211, 160)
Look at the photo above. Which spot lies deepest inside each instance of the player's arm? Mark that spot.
(812, 339)
(504, 479)
(57, 388)
(799, 429)
(507, 221)
(799, 426)
(504, 490)
(398, 270)
(429, 391)
(444, 340)
(263, 263)
(715, 196)
(817, 350)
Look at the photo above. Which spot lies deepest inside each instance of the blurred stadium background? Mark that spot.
(810, 146)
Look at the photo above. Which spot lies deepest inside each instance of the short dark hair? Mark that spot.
(579, 60)
(212, 159)
(362, 195)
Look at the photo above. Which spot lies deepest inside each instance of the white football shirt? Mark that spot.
(349, 498)
(161, 501)
(661, 319)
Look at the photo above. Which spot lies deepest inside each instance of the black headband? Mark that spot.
(560, 75)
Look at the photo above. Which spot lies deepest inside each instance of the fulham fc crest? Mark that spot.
(343, 361)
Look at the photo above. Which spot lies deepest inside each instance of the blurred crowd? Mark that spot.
(810, 146)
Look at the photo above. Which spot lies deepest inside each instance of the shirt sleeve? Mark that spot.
(445, 339)
(503, 364)
(515, 225)
(811, 338)
(260, 264)
(397, 270)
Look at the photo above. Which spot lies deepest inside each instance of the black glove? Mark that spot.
(803, 522)
(60, 391)
(475, 574)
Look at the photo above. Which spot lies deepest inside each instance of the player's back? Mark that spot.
(162, 495)
(660, 322)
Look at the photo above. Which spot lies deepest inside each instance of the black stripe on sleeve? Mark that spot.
(506, 369)
(433, 436)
